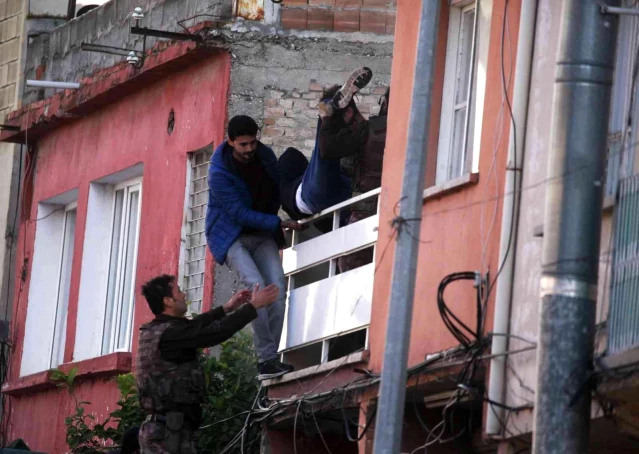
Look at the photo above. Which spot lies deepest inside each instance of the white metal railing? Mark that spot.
(328, 303)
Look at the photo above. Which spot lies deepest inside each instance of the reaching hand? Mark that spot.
(265, 296)
(293, 225)
(237, 300)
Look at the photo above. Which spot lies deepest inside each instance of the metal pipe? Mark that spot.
(390, 414)
(572, 230)
(164, 34)
(105, 49)
(52, 84)
(605, 9)
(510, 216)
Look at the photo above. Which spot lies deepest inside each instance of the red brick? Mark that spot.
(294, 18)
(314, 86)
(346, 20)
(376, 3)
(295, 2)
(372, 22)
(320, 19)
(390, 22)
(321, 2)
(348, 3)
(40, 70)
(272, 131)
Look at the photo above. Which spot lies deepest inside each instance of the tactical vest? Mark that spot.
(368, 166)
(165, 386)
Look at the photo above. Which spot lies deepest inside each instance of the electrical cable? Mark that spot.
(347, 428)
(457, 328)
(319, 431)
(244, 430)
(295, 426)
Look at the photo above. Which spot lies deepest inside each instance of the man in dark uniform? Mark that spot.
(170, 379)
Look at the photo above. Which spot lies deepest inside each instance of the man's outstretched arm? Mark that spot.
(202, 335)
(220, 312)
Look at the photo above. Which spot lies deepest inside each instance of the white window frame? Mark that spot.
(445, 154)
(45, 302)
(110, 345)
(62, 306)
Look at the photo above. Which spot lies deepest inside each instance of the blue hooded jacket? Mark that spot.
(229, 208)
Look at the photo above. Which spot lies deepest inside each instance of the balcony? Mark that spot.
(623, 320)
(619, 374)
(328, 311)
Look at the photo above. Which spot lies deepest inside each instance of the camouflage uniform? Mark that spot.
(164, 389)
(153, 439)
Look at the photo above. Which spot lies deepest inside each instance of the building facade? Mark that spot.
(114, 189)
(114, 183)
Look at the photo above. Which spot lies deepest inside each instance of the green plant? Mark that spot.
(231, 389)
(84, 434)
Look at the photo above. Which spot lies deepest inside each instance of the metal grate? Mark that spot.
(195, 231)
(623, 320)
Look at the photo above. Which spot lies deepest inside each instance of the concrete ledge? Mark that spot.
(357, 357)
(625, 358)
(102, 366)
(105, 87)
(454, 185)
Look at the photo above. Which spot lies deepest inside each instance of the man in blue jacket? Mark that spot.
(244, 232)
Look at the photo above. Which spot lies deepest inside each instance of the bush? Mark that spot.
(231, 389)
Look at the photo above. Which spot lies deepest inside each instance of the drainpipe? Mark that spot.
(390, 414)
(510, 217)
(572, 227)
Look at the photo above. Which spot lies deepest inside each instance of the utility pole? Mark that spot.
(390, 413)
(572, 228)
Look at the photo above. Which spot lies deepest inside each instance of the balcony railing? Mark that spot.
(623, 320)
(328, 311)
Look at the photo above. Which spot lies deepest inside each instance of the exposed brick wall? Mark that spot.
(369, 16)
(290, 118)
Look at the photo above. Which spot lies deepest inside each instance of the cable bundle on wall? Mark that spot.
(462, 332)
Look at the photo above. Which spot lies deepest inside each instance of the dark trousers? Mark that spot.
(291, 167)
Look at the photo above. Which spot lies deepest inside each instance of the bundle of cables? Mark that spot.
(462, 332)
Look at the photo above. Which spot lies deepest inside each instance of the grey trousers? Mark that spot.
(256, 260)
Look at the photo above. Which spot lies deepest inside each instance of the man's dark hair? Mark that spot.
(242, 125)
(156, 289)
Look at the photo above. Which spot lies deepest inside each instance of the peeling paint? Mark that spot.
(250, 9)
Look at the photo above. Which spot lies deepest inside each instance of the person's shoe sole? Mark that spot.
(358, 79)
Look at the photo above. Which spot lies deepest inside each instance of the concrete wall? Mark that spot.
(11, 32)
(521, 368)
(57, 55)
(129, 131)
(270, 67)
(460, 228)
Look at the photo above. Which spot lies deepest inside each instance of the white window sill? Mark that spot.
(353, 358)
(434, 192)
